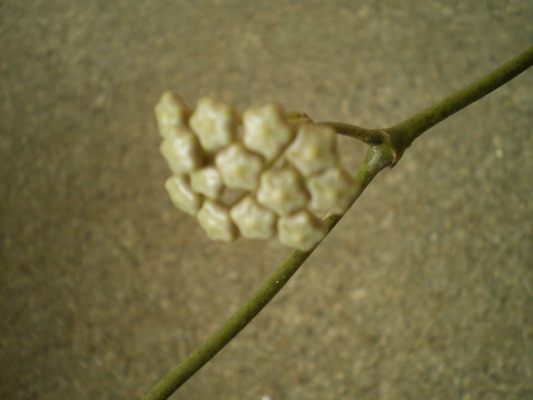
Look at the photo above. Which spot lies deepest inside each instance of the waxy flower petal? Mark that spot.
(313, 149)
(282, 190)
(215, 123)
(182, 152)
(240, 169)
(171, 113)
(253, 220)
(208, 182)
(332, 190)
(266, 130)
(301, 230)
(182, 195)
(216, 221)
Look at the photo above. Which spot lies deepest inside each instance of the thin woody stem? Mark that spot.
(386, 148)
(405, 132)
(401, 135)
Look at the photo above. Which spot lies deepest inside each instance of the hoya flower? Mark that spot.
(215, 219)
(171, 113)
(264, 174)
(331, 190)
(215, 123)
(208, 182)
(253, 220)
(313, 149)
(302, 230)
(282, 190)
(266, 130)
(182, 194)
(182, 152)
(239, 168)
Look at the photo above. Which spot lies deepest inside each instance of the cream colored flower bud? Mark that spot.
(240, 169)
(313, 149)
(253, 220)
(182, 195)
(182, 152)
(171, 112)
(282, 190)
(216, 221)
(215, 123)
(266, 130)
(331, 190)
(208, 182)
(301, 230)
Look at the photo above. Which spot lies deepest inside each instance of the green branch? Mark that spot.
(400, 136)
(404, 133)
(386, 146)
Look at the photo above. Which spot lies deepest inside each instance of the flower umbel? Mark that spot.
(287, 166)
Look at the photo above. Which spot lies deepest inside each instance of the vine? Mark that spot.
(385, 148)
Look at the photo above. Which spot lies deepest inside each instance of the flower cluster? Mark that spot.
(261, 174)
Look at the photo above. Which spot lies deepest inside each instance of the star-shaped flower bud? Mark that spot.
(215, 123)
(282, 190)
(182, 152)
(182, 195)
(313, 149)
(240, 169)
(331, 190)
(266, 130)
(216, 221)
(208, 182)
(171, 113)
(301, 230)
(253, 220)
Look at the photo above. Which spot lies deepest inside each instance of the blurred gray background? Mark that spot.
(423, 291)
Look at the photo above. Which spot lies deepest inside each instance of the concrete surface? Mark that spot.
(424, 291)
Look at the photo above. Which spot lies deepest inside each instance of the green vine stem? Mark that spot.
(386, 146)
